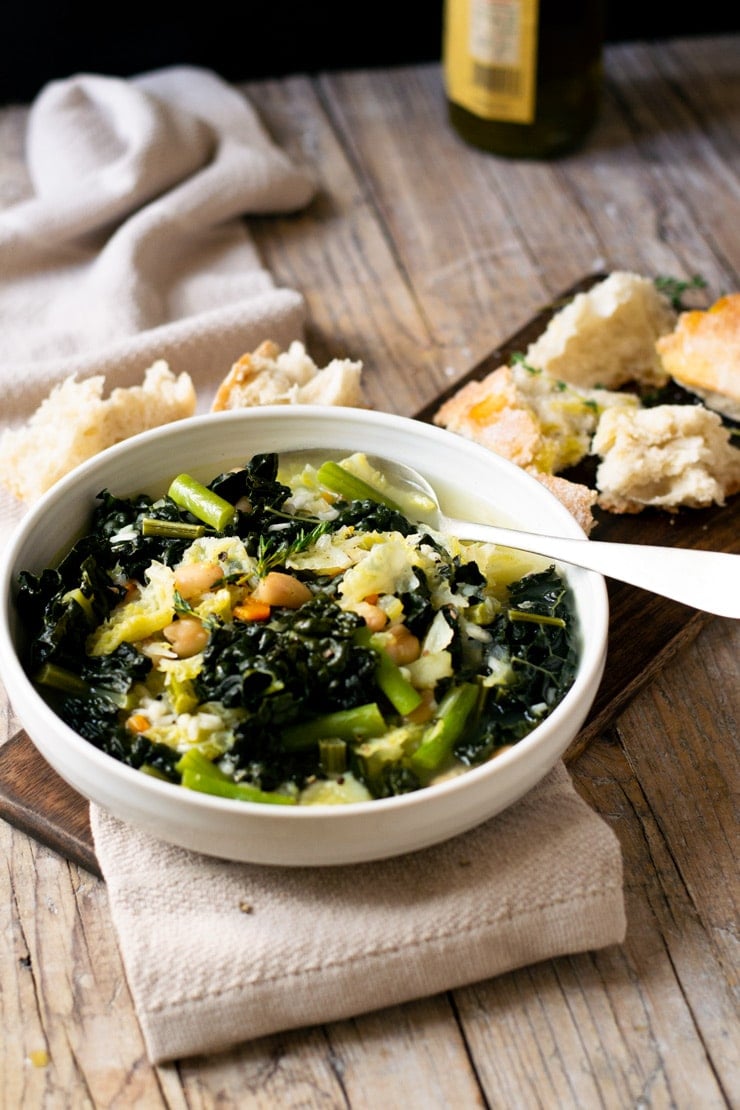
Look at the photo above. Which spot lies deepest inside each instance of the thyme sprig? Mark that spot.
(273, 552)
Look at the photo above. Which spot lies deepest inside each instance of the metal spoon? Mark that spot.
(706, 580)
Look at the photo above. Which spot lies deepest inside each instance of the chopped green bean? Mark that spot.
(441, 735)
(51, 674)
(195, 761)
(198, 772)
(534, 618)
(403, 696)
(359, 723)
(339, 480)
(202, 502)
(171, 529)
(241, 791)
(153, 772)
(333, 755)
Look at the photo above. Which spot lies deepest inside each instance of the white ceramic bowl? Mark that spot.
(310, 835)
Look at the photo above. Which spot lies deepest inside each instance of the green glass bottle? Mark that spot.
(523, 77)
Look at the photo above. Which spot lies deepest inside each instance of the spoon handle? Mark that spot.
(707, 580)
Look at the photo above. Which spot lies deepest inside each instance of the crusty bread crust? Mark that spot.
(577, 498)
(242, 374)
(491, 413)
(545, 414)
(702, 354)
(536, 422)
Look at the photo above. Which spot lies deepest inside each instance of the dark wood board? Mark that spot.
(645, 631)
(34, 798)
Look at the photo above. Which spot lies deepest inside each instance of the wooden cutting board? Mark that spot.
(645, 631)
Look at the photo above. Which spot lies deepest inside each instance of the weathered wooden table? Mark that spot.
(420, 256)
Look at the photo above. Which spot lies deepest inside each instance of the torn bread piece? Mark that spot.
(533, 419)
(75, 422)
(702, 354)
(577, 498)
(665, 457)
(269, 376)
(606, 336)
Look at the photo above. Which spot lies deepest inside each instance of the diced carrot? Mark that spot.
(131, 588)
(251, 610)
(137, 722)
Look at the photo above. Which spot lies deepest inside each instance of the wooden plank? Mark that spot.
(375, 1060)
(70, 1033)
(339, 257)
(686, 805)
(655, 1021)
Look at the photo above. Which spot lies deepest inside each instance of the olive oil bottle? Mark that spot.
(523, 77)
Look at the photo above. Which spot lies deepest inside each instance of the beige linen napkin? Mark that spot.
(218, 953)
(130, 245)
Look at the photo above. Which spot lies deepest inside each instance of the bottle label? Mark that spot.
(490, 57)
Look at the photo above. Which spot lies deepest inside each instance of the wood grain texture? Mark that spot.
(420, 256)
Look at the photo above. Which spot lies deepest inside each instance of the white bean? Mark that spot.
(373, 615)
(187, 636)
(195, 578)
(282, 590)
(402, 646)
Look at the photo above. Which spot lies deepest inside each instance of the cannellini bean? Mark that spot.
(195, 578)
(187, 636)
(373, 615)
(402, 646)
(282, 590)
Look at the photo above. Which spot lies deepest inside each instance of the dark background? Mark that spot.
(245, 41)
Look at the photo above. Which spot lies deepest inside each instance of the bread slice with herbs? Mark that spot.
(529, 417)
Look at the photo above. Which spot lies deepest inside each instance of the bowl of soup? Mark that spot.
(230, 633)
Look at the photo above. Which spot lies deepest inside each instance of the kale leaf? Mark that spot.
(371, 516)
(117, 521)
(300, 662)
(59, 608)
(110, 678)
(543, 658)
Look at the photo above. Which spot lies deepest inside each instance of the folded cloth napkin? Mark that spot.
(217, 953)
(130, 245)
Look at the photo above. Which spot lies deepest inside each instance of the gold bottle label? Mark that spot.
(490, 57)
